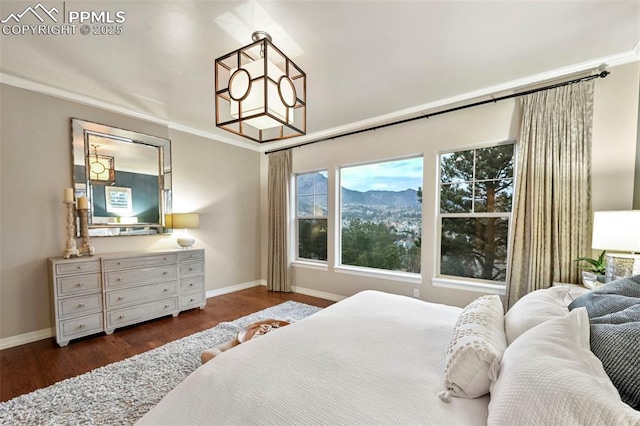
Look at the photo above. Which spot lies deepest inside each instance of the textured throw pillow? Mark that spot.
(476, 347)
(548, 376)
(534, 308)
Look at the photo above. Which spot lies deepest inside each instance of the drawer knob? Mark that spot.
(121, 298)
(191, 268)
(81, 326)
(119, 279)
(191, 300)
(78, 267)
(190, 284)
(166, 289)
(121, 317)
(80, 305)
(79, 285)
(164, 258)
(118, 263)
(166, 306)
(165, 273)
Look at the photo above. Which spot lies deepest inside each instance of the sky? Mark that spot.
(388, 176)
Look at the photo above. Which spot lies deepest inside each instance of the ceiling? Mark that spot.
(367, 62)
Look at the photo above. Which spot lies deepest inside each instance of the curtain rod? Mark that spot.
(602, 74)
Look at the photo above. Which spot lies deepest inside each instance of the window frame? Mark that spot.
(467, 283)
(313, 263)
(339, 267)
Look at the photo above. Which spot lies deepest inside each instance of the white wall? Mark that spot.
(219, 181)
(614, 144)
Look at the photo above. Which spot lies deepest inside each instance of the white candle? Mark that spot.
(82, 203)
(68, 195)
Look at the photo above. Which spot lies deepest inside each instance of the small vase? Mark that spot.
(591, 280)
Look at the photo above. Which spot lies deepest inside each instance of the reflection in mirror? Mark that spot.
(126, 177)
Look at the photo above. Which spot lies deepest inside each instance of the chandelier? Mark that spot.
(260, 93)
(101, 168)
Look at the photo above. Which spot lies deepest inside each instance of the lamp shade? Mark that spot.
(185, 220)
(616, 230)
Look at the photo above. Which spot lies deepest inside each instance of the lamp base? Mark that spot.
(622, 266)
(185, 241)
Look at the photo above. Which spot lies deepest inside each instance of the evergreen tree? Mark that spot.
(476, 182)
(371, 245)
(312, 239)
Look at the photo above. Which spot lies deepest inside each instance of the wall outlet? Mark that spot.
(416, 292)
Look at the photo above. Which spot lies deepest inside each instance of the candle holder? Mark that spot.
(85, 246)
(72, 249)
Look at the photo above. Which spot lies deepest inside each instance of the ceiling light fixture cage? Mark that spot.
(102, 168)
(261, 94)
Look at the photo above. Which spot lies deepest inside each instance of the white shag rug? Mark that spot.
(122, 392)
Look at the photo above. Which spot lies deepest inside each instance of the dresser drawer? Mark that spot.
(192, 300)
(77, 267)
(137, 295)
(191, 268)
(135, 314)
(79, 327)
(191, 255)
(141, 261)
(116, 279)
(77, 284)
(74, 306)
(188, 285)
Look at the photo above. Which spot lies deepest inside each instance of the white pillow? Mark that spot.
(534, 308)
(549, 376)
(476, 347)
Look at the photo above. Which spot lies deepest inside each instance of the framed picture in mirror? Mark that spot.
(118, 200)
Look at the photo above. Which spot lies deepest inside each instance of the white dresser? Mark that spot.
(102, 293)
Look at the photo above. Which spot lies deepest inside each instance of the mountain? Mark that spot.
(406, 198)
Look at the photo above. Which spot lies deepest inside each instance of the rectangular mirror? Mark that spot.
(126, 177)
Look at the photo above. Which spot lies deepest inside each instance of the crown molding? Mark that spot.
(45, 89)
(511, 86)
(197, 132)
(508, 87)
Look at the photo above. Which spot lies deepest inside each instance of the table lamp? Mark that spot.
(185, 221)
(618, 231)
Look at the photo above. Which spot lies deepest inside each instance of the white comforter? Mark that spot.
(373, 358)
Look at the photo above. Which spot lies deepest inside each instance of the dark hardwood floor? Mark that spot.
(26, 368)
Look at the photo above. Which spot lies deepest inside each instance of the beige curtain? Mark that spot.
(279, 183)
(552, 208)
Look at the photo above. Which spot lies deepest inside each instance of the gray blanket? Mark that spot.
(614, 313)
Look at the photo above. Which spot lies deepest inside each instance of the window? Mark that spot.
(381, 215)
(311, 215)
(476, 194)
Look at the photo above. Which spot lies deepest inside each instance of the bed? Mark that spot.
(377, 358)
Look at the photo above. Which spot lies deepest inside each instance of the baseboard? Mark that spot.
(23, 339)
(319, 294)
(296, 289)
(232, 288)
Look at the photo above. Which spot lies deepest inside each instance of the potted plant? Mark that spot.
(593, 270)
